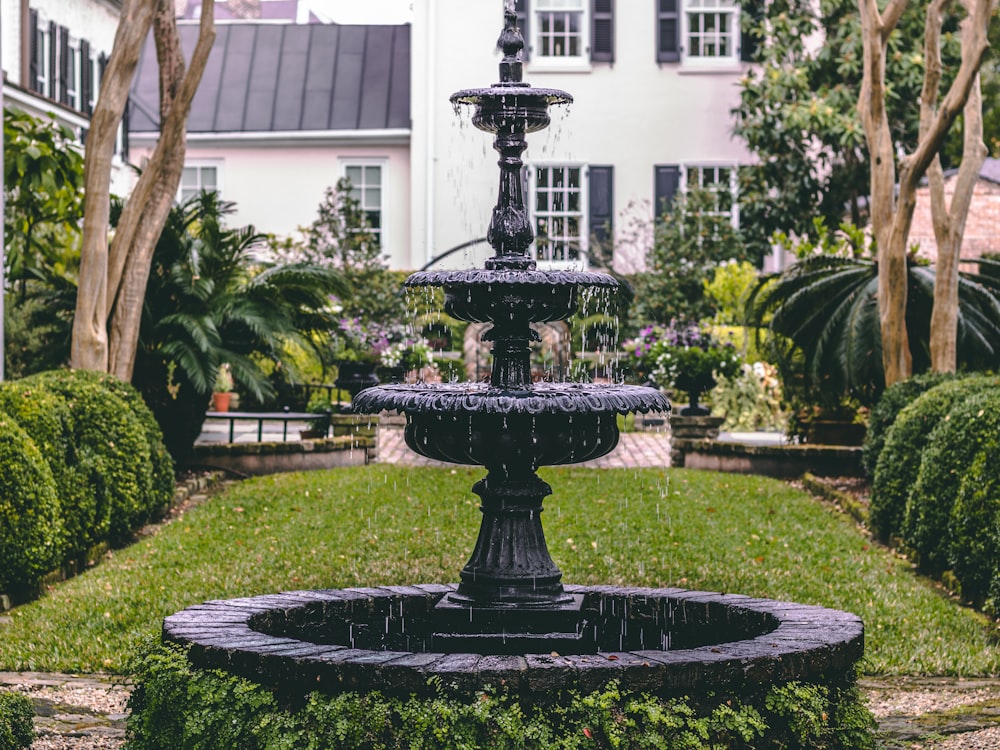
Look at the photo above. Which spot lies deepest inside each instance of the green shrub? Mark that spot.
(47, 420)
(30, 529)
(975, 529)
(905, 441)
(175, 705)
(111, 446)
(163, 481)
(17, 729)
(895, 398)
(972, 425)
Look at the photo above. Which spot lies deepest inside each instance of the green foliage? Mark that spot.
(749, 400)
(899, 462)
(798, 115)
(192, 709)
(969, 428)
(688, 244)
(43, 192)
(38, 323)
(209, 301)
(975, 529)
(47, 420)
(822, 322)
(895, 398)
(729, 288)
(30, 524)
(17, 730)
(111, 448)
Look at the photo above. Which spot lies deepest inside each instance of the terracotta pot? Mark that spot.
(220, 401)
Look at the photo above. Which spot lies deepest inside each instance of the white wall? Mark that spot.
(279, 188)
(632, 114)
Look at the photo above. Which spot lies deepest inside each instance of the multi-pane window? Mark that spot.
(198, 177)
(711, 30)
(720, 182)
(560, 214)
(366, 188)
(41, 77)
(73, 69)
(561, 28)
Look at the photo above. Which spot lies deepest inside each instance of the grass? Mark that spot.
(384, 525)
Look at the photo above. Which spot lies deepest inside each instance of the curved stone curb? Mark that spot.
(249, 637)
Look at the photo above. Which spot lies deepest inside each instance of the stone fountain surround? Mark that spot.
(299, 642)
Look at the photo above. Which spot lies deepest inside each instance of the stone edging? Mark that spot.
(782, 461)
(806, 643)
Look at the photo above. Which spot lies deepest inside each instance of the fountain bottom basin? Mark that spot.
(668, 642)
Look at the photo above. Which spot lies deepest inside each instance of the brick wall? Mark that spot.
(982, 229)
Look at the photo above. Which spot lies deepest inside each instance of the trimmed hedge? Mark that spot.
(47, 420)
(975, 530)
(17, 730)
(176, 705)
(84, 463)
(111, 446)
(972, 426)
(30, 522)
(894, 399)
(905, 441)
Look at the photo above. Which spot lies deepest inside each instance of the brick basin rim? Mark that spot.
(807, 643)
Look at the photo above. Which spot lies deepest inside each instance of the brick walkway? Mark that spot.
(635, 450)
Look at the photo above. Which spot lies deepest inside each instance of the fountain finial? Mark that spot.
(511, 43)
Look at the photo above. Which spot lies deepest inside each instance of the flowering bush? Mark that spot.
(750, 400)
(682, 356)
(412, 353)
(359, 341)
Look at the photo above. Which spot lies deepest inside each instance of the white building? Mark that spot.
(653, 85)
(54, 53)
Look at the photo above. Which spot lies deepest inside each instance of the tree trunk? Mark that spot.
(949, 226)
(147, 209)
(89, 347)
(892, 209)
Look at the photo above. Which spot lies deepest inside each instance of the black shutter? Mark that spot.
(36, 52)
(602, 31)
(53, 92)
(102, 63)
(125, 126)
(523, 13)
(667, 179)
(601, 202)
(668, 31)
(64, 65)
(86, 78)
(751, 15)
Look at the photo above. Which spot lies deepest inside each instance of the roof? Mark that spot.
(284, 77)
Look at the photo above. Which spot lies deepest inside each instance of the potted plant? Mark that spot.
(223, 391)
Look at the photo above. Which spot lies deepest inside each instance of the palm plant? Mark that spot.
(821, 317)
(210, 300)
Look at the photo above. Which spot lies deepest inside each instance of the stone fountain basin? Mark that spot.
(670, 642)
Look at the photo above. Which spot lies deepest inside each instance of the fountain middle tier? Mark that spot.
(545, 424)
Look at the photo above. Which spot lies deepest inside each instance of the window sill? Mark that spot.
(726, 68)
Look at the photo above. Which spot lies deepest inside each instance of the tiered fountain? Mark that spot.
(511, 620)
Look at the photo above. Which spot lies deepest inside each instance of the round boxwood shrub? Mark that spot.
(163, 483)
(894, 399)
(30, 530)
(17, 730)
(975, 529)
(176, 705)
(47, 420)
(111, 446)
(971, 425)
(905, 441)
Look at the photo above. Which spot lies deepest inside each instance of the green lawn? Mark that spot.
(383, 525)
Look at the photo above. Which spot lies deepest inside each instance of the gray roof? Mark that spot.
(285, 77)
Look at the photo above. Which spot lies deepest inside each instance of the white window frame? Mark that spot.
(201, 164)
(73, 85)
(382, 234)
(551, 8)
(583, 216)
(706, 175)
(44, 47)
(702, 10)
